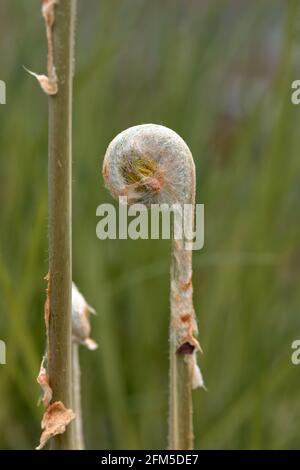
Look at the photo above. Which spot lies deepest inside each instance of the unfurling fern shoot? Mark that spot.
(151, 164)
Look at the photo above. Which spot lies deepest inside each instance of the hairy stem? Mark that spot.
(182, 342)
(77, 408)
(59, 187)
(181, 366)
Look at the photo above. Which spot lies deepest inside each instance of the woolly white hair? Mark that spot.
(160, 161)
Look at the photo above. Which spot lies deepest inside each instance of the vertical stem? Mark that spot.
(59, 187)
(181, 410)
(77, 408)
(183, 345)
(181, 366)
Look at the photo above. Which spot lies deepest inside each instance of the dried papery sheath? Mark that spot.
(81, 327)
(151, 164)
(81, 330)
(55, 420)
(43, 381)
(48, 83)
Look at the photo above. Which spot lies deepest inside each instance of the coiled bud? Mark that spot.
(150, 164)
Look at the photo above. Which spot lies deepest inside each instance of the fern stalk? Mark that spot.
(60, 240)
(151, 164)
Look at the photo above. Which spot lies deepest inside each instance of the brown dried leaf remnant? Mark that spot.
(55, 420)
(43, 378)
(48, 86)
(43, 381)
(48, 83)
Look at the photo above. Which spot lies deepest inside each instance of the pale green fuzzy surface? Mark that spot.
(165, 149)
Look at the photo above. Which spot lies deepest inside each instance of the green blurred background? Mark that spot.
(218, 73)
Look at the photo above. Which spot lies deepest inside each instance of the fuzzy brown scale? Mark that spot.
(186, 317)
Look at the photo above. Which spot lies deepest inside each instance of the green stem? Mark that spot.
(59, 187)
(181, 410)
(77, 408)
(181, 435)
(183, 345)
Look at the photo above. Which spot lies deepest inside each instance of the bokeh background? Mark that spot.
(220, 74)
